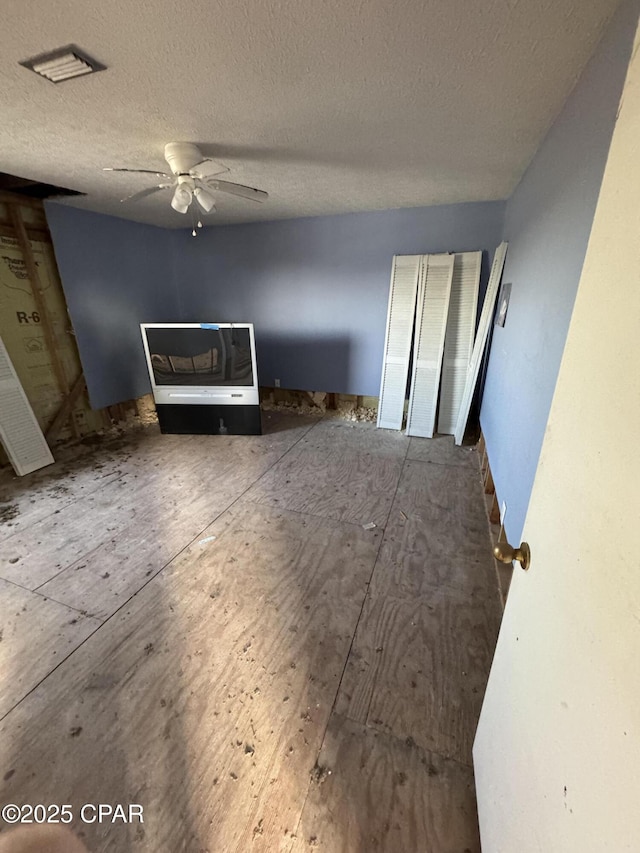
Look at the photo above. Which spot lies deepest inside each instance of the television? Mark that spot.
(203, 377)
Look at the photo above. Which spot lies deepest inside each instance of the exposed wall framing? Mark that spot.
(36, 328)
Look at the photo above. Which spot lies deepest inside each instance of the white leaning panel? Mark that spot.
(20, 432)
(397, 342)
(481, 339)
(431, 323)
(458, 342)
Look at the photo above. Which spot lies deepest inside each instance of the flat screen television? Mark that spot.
(203, 376)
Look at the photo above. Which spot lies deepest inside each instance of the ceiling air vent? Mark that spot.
(63, 64)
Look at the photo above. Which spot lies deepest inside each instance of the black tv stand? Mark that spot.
(209, 420)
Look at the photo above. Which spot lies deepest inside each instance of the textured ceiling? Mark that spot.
(329, 105)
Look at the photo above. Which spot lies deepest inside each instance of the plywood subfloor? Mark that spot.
(202, 625)
(376, 791)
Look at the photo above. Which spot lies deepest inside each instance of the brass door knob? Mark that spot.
(507, 554)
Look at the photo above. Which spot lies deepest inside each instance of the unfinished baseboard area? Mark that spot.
(351, 407)
(141, 412)
(503, 570)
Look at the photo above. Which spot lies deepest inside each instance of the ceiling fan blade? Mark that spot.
(139, 172)
(144, 193)
(207, 168)
(238, 189)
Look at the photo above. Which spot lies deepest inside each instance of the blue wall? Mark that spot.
(115, 274)
(317, 288)
(547, 223)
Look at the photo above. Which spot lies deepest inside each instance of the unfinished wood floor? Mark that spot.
(202, 625)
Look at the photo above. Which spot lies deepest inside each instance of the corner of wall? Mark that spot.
(115, 275)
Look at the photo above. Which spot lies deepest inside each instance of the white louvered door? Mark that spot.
(397, 344)
(480, 339)
(20, 432)
(431, 323)
(458, 344)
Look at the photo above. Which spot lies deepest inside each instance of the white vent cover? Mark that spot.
(61, 64)
(20, 432)
(397, 344)
(458, 343)
(431, 323)
(481, 339)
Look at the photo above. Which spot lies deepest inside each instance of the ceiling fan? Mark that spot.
(191, 176)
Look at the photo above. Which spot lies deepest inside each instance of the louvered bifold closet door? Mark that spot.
(431, 322)
(480, 339)
(20, 432)
(458, 341)
(397, 342)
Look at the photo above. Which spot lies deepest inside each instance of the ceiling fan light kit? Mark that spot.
(191, 176)
(204, 199)
(182, 198)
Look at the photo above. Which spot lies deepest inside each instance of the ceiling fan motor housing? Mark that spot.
(182, 156)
